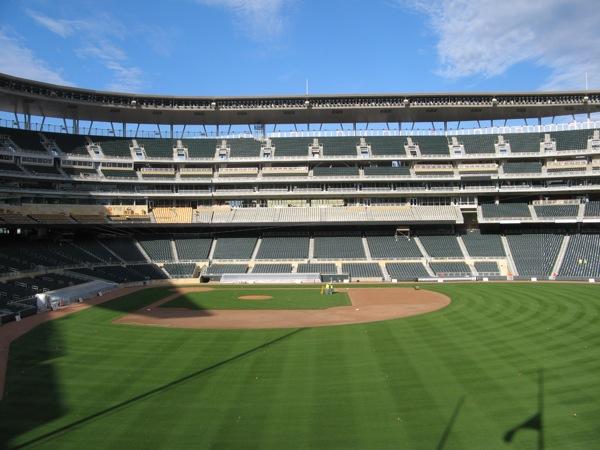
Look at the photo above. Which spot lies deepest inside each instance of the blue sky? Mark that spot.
(238, 47)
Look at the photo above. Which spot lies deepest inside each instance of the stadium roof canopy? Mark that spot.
(33, 98)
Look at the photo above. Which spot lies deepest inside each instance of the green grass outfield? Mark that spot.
(283, 298)
(457, 378)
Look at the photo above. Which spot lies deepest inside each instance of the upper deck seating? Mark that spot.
(291, 146)
(24, 139)
(441, 246)
(9, 166)
(592, 209)
(200, 148)
(572, 139)
(387, 145)
(172, 214)
(483, 245)
(338, 247)
(234, 247)
(340, 171)
(79, 171)
(387, 170)
(534, 254)
(510, 210)
(392, 247)
(582, 258)
(432, 145)
(283, 247)
(522, 167)
(524, 142)
(339, 146)
(244, 148)
(157, 148)
(556, 210)
(478, 143)
(42, 170)
(115, 147)
(119, 173)
(69, 143)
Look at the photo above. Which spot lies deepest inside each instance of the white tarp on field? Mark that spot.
(65, 296)
(270, 278)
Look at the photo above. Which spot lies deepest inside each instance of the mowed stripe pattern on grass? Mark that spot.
(391, 384)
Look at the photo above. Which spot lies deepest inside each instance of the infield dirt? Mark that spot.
(368, 305)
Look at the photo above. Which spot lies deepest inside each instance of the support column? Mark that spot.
(124, 129)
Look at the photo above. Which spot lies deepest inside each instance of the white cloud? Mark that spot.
(260, 18)
(63, 28)
(126, 78)
(18, 60)
(487, 37)
(97, 40)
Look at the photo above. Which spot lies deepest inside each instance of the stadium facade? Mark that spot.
(81, 204)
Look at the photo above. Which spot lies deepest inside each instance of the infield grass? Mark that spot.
(282, 298)
(457, 378)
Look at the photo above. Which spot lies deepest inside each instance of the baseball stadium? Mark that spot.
(327, 271)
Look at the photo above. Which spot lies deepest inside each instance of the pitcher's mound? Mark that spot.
(255, 297)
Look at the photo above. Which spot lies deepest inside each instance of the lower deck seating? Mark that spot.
(220, 269)
(484, 268)
(272, 268)
(483, 245)
(534, 254)
(362, 270)
(158, 249)
(407, 271)
(393, 247)
(450, 269)
(283, 247)
(124, 274)
(192, 248)
(441, 246)
(125, 248)
(234, 247)
(582, 257)
(339, 247)
(180, 270)
(322, 268)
